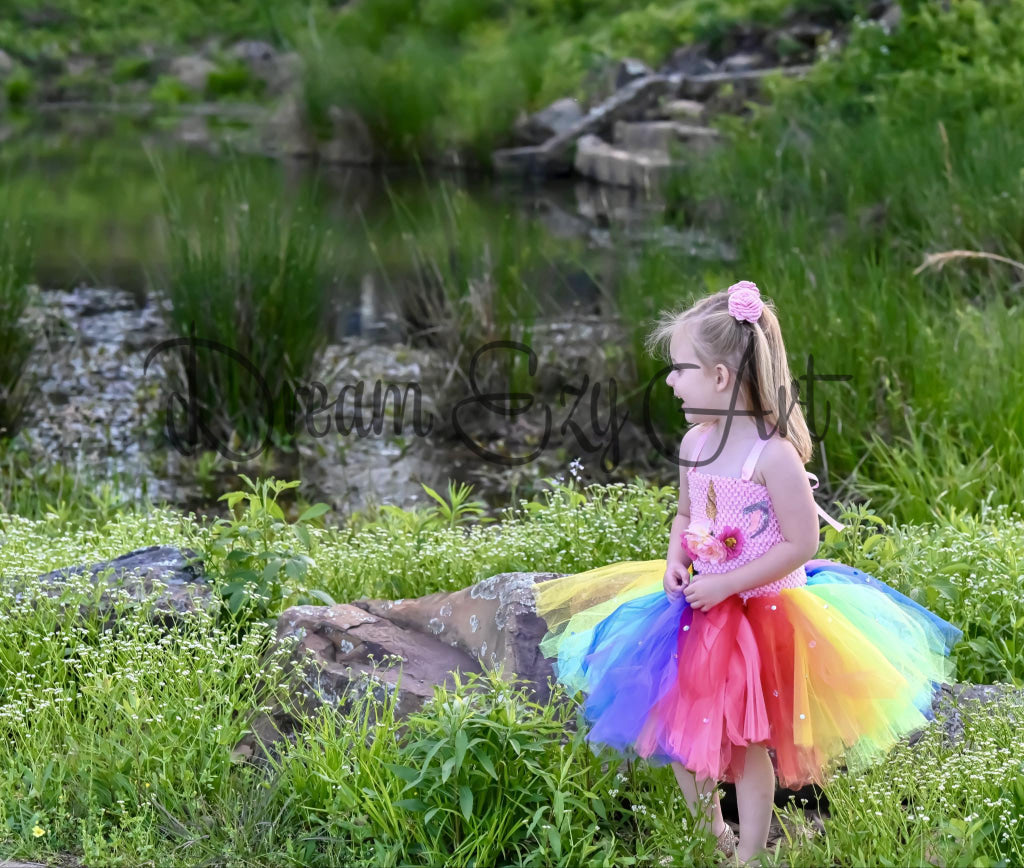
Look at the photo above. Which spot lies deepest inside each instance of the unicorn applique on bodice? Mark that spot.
(742, 509)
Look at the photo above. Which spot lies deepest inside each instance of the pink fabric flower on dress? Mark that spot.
(711, 550)
(732, 539)
(745, 301)
(702, 545)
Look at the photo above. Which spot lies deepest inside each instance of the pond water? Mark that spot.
(92, 190)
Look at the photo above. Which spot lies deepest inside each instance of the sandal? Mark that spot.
(726, 842)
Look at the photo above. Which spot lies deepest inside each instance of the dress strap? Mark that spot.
(748, 469)
(700, 445)
(837, 525)
(752, 456)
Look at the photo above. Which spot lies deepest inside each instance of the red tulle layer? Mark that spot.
(811, 673)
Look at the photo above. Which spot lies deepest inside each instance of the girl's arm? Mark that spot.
(797, 515)
(677, 554)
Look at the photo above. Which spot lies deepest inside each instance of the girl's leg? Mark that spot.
(704, 806)
(755, 797)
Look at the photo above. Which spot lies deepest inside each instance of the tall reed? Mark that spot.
(248, 273)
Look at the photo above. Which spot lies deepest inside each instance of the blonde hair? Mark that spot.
(765, 380)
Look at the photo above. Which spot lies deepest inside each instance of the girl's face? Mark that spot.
(697, 387)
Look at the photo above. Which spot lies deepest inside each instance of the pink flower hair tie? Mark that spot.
(745, 301)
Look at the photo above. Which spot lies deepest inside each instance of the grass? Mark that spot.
(833, 196)
(36, 488)
(43, 32)
(426, 78)
(250, 274)
(931, 804)
(456, 74)
(100, 756)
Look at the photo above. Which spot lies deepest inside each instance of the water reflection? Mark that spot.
(423, 268)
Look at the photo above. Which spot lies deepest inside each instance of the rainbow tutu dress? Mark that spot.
(826, 666)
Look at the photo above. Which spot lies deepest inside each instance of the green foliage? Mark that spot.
(944, 62)
(39, 27)
(232, 79)
(457, 508)
(170, 91)
(394, 555)
(488, 776)
(18, 87)
(248, 272)
(429, 77)
(450, 513)
(17, 335)
(482, 774)
(132, 68)
(114, 722)
(100, 752)
(470, 285)
(831, 198)
(401, 101)
(261, 560)
(901, 145)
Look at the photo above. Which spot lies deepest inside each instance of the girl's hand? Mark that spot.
(704, 592)
(677, 577)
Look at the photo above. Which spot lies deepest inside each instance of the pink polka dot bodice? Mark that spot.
(739, 503)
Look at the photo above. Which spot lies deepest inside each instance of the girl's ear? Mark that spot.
(721, 376)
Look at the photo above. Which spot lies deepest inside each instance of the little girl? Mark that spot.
(739, 658)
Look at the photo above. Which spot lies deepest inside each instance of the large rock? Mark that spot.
(630, 69)
(402, 648)
(744, 62)
(745, 82)
(350, 142)
(951, 699)
(6, 64)
(192, 71)
(891, 17)
(279, 72)
(627, 103)
(255, 53)
(608, 164)
(550, 121)
(348, 641)
(661, 135)
(286, 133)
(684, 110)
(690, 60)
(174, 574)
(493, 621)
(796, 43)
(603, 79)
(340, 653)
